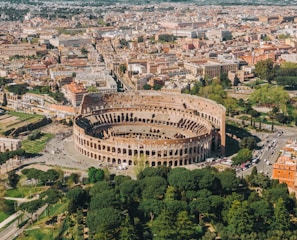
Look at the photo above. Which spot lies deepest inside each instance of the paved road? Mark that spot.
(271, 144)
(12, 231)
(10, 218)
(60, 151)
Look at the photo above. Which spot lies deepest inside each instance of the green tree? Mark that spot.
(228, 180)
(290, 66)
(127, 230)
(124, 43)
(170, 194)
(230, 105)
(164, 227)
(200, 206)
(77, 198)
(99, 187)
(185, 227)
(119, 179)
(17, 89)
(283, 36)
(104, 199)
(225, 81)
(196, 88)
(275, 192)
(260, 180)
(50, 196)
(73, 178)
(157, 86)
(84, 51)
(154, 187)
(287, 81)
(104, 223)
(130, 191)
(151, 207)
(264, 69)
(239, 219)
(181, 179)
(161, 171)
(242, 156)
(214, 91)
(13, 179)
(262, 212)
(95, 174)
(147, 87)
(216, 204)
(52, 175)
(268, 95)
(281, 216)
(248, 142)
(4, 103)
(166, 38)
(31, 206)
(140, 39)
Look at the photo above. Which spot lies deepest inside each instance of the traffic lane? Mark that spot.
(269, 154)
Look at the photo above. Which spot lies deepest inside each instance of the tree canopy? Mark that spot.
(165, 203)
(264, 69)
(269, 95)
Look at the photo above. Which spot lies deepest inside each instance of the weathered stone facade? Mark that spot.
(9, 144)
(159, 128)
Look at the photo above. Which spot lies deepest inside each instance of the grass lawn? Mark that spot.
(40, 234)
(3, 216)
(58, 208)
(25, 116)
(54, 210)
(43, 231)
(23, 192)
(17, 119)
(37, 145)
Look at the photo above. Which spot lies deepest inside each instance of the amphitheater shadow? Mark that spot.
(232, 146)
(233, 136)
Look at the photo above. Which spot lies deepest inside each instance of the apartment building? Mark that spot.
(74, 93)
(285, 168)
(9, 50)
(209, 68)
(70, 41)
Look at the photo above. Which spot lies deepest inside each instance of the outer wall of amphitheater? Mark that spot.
(154, 127)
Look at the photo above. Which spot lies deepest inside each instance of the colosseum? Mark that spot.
(151, 127)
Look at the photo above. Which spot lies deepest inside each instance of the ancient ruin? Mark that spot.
(155, 127)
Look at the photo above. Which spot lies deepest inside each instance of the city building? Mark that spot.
(74, 93)
(285, 168)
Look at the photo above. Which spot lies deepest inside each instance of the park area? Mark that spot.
(14, 120)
